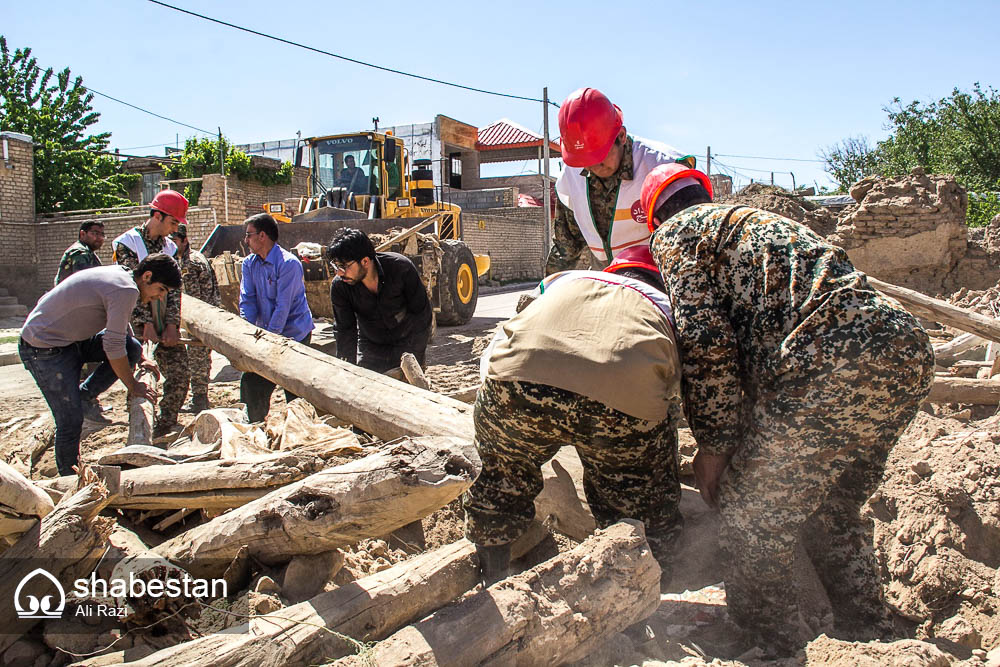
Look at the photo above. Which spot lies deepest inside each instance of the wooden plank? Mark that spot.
(937, 310)
(376, 404)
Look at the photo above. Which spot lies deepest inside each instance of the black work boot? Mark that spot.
(199, 403)
(164, 425)
(494, 562)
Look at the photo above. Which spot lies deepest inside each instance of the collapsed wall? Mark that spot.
(911, 231)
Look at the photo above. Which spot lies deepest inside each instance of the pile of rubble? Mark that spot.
(778, 200)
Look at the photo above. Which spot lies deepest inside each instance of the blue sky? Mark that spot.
(769, 79)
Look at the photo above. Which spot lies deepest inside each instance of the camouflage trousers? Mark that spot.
(814, 452)
(173, 365)
(200, 366)
(630, 468)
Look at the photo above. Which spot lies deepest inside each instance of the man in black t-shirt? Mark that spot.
(379, 303)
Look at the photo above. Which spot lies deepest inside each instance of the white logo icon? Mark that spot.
(35, 608)
(578, 145)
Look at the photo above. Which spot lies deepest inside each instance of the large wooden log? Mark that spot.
(371, 401)
(556, 612)
(333, 508)
(67, 542)
(141, 412)
(937, 310)
(204, 484)
(368, 609)
(21, 495)
(945, 353)
(965, 390)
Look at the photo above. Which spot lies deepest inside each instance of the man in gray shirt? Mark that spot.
(85, 319)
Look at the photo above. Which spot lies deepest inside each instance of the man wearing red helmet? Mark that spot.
(598, 210)
(159, 322)
(591, 363)
(798, 378)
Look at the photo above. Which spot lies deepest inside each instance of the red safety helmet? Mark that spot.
(172, 203)
(633, 257)
(658, 180)
(588, 126)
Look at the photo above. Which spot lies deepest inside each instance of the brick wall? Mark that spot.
(18, 270)
(55, 233)
(514, 238)
(482, 199)
(247, 197)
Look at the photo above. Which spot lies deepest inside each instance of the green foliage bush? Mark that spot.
(982, 208)
(201, 156)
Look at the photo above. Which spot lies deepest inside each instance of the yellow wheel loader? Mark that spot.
(365, 180)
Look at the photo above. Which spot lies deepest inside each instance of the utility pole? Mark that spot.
(708, 161)
(546, 197)
(222, 155)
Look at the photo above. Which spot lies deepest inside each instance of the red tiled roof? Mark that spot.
(504, 134)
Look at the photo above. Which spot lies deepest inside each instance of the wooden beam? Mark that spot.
(557, 612)
(368, 609)
(937, 310)
(69, 540)
(965, 390)
(376, 404)
(336, 507)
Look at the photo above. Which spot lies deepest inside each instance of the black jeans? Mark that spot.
(255, 392)
(380, 358)
(57, 373)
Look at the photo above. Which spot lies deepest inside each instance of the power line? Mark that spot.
(779, 159)
(97, 92)
(346, 58)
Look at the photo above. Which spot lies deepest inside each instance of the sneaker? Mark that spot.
(93, 413)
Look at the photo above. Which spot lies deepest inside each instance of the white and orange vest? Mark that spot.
(629, 225)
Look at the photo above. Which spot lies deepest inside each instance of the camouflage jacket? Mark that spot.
(569, 248)
(757, 298)
(76, 258)
(144, 313)
(199, 278)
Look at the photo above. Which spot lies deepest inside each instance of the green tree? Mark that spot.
(849, 161)
(958, 134)
(54, 109)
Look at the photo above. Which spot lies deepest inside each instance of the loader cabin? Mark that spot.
(360, 170)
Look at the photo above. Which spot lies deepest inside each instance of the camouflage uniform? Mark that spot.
(569, 249)
(797, 369)
(172, 361)
(199, 282)
(630, 464)
(76, 258)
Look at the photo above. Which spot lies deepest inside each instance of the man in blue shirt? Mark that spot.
(273, 297)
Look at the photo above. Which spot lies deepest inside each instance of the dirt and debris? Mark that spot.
(778, 200)
(937, 518)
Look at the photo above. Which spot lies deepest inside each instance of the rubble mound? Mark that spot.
(911, 231)
(937, 530)
(984, 302)
(778, 200)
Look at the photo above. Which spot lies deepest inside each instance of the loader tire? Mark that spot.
(458, 284)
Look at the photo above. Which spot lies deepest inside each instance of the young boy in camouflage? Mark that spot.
(199, 282)
(590, 364)
(798, 378)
